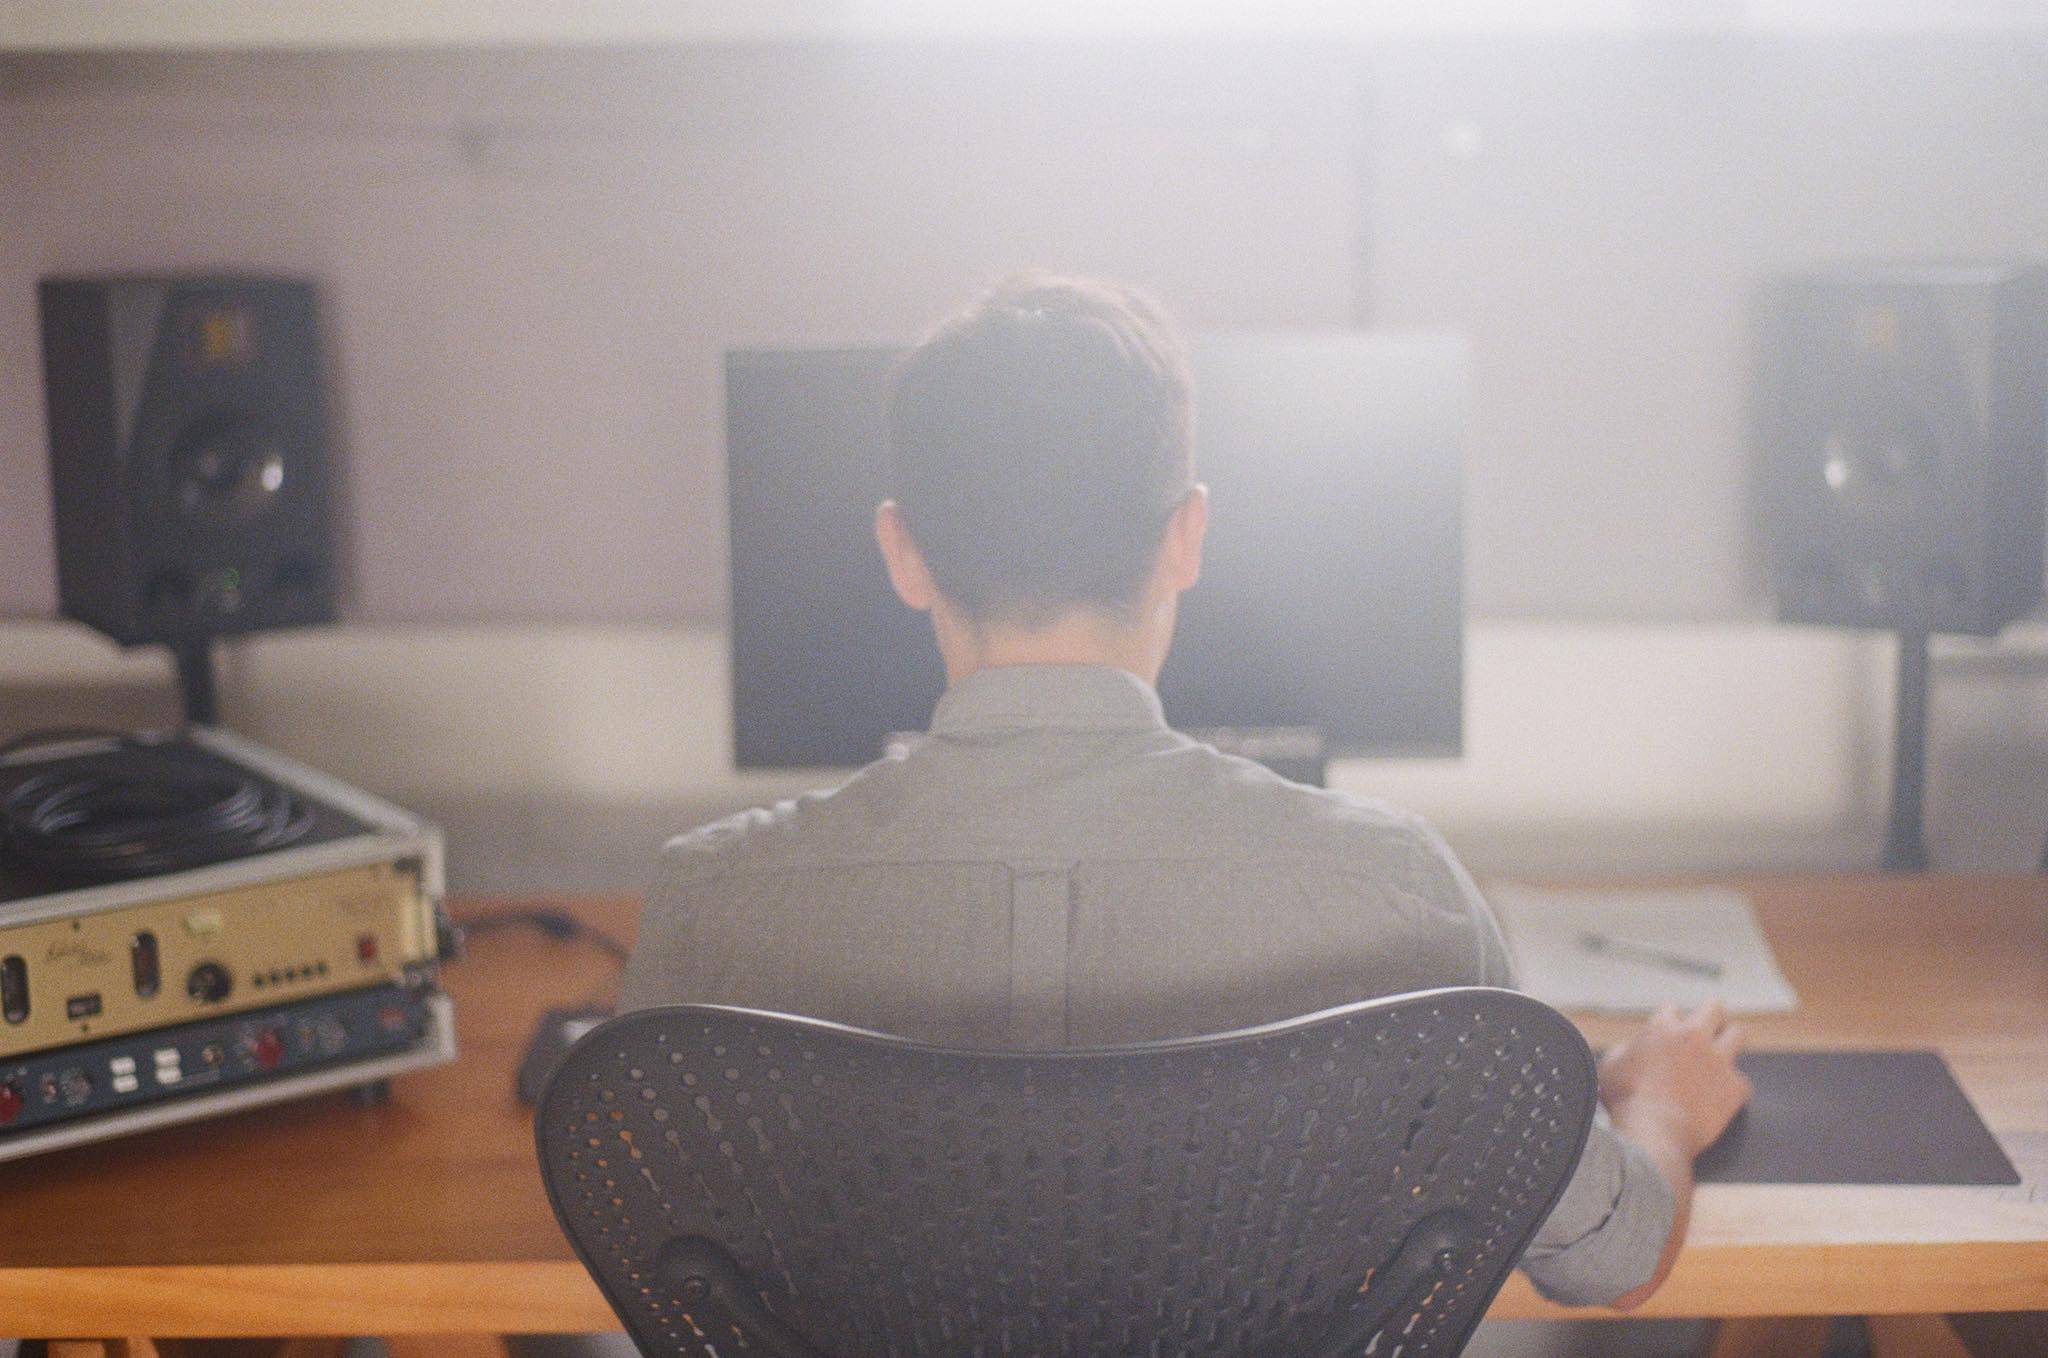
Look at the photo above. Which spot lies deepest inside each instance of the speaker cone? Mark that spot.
(226, 465)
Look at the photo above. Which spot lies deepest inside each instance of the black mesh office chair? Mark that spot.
(1356, 1182)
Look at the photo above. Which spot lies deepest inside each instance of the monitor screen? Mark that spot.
(1331, 592)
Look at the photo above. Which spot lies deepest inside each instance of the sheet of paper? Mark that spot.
(1627, 952)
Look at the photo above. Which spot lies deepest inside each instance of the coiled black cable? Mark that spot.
(139, 808)
(559, 925)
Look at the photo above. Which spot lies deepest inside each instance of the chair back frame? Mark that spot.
(1359, 1181)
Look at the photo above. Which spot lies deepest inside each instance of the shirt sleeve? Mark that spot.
(1440, 867)
(1605, 1235)
(1608, 1230)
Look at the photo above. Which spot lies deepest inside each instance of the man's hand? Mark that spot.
(1680, 1071)
(1671, 1089)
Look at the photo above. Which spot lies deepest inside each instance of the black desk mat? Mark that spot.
(1855, 1117)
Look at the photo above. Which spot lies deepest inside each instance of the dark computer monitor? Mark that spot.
(1331, 593)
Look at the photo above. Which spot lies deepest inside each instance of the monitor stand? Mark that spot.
(1296, 752)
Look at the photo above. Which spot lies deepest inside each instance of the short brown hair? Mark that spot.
(1041, 440)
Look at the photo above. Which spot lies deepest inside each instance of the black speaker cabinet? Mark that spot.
(1903, 444)
(187, 455)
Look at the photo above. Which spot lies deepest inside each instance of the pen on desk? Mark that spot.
(1611, 946)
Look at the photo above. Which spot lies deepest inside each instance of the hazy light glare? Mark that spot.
(1367, 18)
(1326, 18)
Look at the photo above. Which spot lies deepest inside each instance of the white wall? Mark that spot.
(1597, 213)
(532, 264)
(566, 754)
(534, 260)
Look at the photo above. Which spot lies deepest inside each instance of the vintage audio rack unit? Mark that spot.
(247, 968)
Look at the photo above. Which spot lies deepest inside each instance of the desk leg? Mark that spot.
(1914, 1337)
(1771, 1337)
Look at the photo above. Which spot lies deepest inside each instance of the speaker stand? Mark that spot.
(1904, 848)
(196, 686)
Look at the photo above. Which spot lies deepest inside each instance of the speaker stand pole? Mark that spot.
(196, 681)
(1904, 848)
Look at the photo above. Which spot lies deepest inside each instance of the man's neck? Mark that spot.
(1081, 638)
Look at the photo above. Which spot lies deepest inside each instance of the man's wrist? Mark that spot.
(1645, 1118)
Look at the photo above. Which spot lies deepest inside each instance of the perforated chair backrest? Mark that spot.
(1355, 1182)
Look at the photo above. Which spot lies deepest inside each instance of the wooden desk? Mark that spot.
(1957, 964)
(426, 1215)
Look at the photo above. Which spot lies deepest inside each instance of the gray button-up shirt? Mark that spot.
(1053, 866)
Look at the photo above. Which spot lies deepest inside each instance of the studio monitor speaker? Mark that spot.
(188, 467)
(1902, 451)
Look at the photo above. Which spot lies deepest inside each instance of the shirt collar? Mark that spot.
(1048, 698)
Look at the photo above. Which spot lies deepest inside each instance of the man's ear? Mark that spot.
(908, 575)
(1182, 554)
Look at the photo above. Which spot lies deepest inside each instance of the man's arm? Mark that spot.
(1671, 1090)
(1616, 1231)
(1668, 1092)
(1665, 1095)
